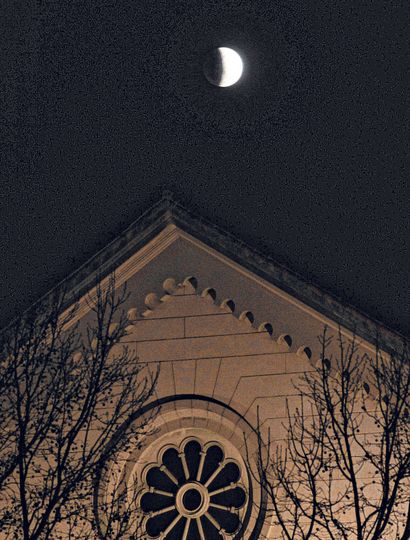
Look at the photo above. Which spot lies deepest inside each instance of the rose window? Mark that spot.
(193, 493)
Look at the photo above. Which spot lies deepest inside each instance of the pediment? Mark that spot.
(169, 242)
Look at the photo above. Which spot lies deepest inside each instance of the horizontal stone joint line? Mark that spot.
(216, 357)
(159, 340)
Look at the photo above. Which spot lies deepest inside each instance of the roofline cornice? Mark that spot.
(167, 212)
(289, 281)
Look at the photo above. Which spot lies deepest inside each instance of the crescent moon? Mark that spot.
(232, 67)
(223, 67)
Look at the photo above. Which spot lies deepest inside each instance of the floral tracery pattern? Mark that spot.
(193, 493)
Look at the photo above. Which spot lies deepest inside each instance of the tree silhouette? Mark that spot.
(66, 392)
(343, 471)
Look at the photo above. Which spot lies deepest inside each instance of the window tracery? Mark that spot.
(193, 492)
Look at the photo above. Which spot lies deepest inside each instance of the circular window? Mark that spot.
(191, 477)
(193, 491)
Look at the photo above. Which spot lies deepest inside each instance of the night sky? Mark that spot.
(104, 105)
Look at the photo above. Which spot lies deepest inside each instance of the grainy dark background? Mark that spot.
(104, 105)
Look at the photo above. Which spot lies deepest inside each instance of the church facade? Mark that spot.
(230, 331)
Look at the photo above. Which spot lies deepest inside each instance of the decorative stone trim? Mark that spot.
(210, 294)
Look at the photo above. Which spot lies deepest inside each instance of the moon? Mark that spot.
(223, 67)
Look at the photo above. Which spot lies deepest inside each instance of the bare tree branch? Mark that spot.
(344, 469)
(65, 394)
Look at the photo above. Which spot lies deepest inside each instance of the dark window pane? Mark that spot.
(213, 458)
(150, 502)
(229, 473)
(192, 454)
(233, 497)
(158, 524)
(211, 533)
(173, 464)
(193, 531)
(228, 521)
(158, 479)
(177, 531)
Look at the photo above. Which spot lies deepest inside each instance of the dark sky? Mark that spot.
(104, 105)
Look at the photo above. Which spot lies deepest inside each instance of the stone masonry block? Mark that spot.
(184, 306)
(216, 325)
(234, 369)
(184, 373)
(205, 347)
(207, 370)
(149, 329)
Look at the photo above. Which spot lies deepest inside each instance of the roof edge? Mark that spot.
(168, 211)
(323, 301)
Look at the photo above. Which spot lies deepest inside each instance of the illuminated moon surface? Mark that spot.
(223, 67)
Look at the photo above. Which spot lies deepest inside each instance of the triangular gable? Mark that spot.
(170, 237)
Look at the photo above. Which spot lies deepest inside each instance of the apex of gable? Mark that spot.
(168, 224)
